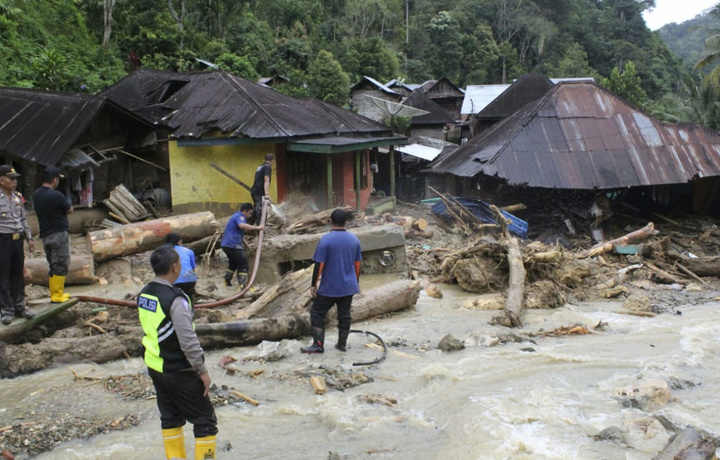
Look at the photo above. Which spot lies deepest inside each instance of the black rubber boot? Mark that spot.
(342, 340)
(228, 277)
(242, 279)
(318, 342)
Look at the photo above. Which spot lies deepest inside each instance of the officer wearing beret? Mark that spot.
(13, 230)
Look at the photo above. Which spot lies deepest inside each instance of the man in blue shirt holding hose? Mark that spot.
(337, 267)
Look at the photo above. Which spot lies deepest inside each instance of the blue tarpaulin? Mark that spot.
(482, 211)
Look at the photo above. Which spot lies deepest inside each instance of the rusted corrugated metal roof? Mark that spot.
(40, 126)
(579, 136)
(196, 103)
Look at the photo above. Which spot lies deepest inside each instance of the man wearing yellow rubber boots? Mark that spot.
(52, 208)
(175, 359)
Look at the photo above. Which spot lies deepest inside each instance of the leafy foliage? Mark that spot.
(320, 44)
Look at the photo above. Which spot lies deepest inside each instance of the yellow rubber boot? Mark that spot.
(205, 448)
(57, 285)
(174, 440)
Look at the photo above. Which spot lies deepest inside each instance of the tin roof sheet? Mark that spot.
(40, 126)
(196, 103)
(579, 136)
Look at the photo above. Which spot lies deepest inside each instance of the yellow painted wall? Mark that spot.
(197, 186)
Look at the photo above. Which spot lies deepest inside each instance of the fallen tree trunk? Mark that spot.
(82, 270)
(516, 283)
(396, 296)
(703, 266)
(632, 237)
(290, 296)
(145, 236)
(33, 357)
(13, 331)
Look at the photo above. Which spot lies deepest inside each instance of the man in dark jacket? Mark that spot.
(261, 186)
(175, 359)
(52, 208)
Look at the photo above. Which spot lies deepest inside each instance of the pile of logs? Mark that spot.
(124, 208)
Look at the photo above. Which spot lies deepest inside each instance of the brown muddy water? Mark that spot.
(525, 400)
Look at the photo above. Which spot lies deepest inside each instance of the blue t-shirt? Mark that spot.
(233, 236)
(338, 250)
(187, 265)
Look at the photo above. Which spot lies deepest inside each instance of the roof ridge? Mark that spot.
(332, 112)
(237, 86)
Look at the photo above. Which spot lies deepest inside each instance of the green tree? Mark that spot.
(327, 81)
(237, 65)
(445, 51)
(626, 84)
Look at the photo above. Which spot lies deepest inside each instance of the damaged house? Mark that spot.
(96, 143)
(580, 141)
(214, 118)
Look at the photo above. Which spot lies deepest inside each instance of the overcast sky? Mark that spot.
(667, 11)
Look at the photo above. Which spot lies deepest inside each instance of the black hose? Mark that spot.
(385, 348)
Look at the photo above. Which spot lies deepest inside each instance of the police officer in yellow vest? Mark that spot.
(175, 359)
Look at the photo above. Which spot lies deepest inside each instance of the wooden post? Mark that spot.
(358, 205)
(392, 170)
(329, 183)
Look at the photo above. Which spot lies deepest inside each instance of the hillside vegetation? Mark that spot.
(323, 46)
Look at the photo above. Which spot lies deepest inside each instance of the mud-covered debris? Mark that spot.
(34, 438)
(378, 399)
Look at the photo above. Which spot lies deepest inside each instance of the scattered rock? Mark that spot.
(646, 395)
(637, 303)
(611, 433)
(450, 343)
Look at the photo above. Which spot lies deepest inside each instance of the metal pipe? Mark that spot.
(217, 303)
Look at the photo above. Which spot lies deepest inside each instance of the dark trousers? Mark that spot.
(180, 399)
(236, 260)
(12, 282)
(257, 205)
(189, 289)
(321, 305)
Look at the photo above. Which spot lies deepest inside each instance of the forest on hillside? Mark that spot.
(687, 39)
(325, 46)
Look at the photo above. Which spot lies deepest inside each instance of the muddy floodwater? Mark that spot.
(494, 399)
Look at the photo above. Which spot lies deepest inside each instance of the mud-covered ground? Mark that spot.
(100, 333)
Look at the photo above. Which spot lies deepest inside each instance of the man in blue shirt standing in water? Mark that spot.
(232, 244)
(337, 266)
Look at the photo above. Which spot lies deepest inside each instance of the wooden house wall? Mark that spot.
(363, 106)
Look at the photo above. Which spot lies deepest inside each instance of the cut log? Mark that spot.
(420, 224)
(516, 283)
(145, 236)
(632, 237)
(82, 270)
(125, 205)
(18, 327)
(396, 296)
